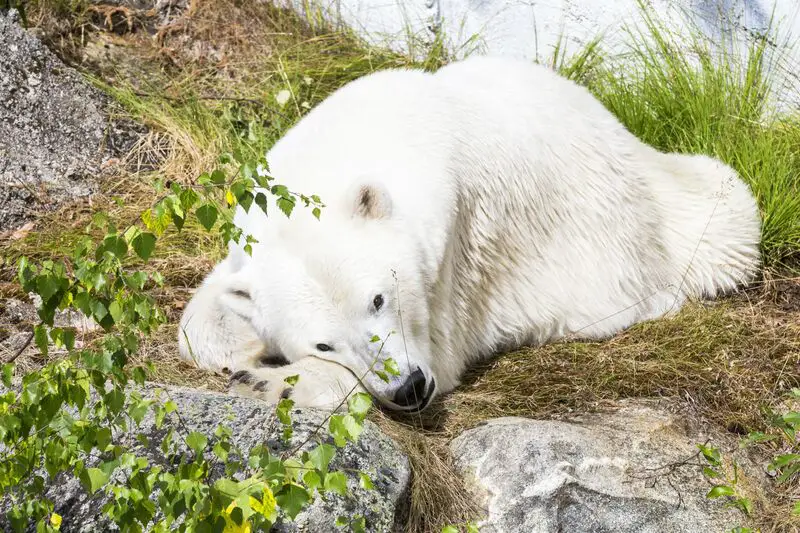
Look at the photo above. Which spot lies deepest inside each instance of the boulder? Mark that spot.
(254, 422)
(635, 468)
(56, 131)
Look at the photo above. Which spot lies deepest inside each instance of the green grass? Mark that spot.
(711, 103)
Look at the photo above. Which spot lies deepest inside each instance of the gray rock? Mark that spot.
(634, 469)
(55, 130)
(253, 422)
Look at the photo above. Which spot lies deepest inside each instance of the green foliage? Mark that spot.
(784, 445)
(725, 484)
(62, 418)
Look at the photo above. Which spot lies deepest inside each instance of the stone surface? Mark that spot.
(253, 422)
(631, 469)
(55, 130)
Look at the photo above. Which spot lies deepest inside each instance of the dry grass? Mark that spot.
(206, 85)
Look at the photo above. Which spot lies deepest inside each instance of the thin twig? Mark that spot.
(22, 349)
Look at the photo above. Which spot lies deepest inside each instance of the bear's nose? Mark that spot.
(412, 392)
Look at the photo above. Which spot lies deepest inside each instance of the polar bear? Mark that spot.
(490, 205)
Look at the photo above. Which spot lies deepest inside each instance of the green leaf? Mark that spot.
(197, 442)
(103, 438)
(365, 481)
(358, 525)
(283, 410)
(745, 505)
(359, 404)
(450, 529)
(47, 286)
(720, 490)
(353, 426)
(245, 200)
(99, 310)
(316, 212)
(286, 205)
(711, 454)
(312, 480)
(8, 373)
(383, 375)
(116, 245)
(292, 380)
(68, 338)
(336, 482)
(207, 215)
(792, 418)
(788, 472)
(218, 177)
(143, 245)
(292, 498)
(796, 509)
(188, 198)
(40, 336)
(710, 472)
(341, 521)
(337, 430)
(321, 456)
(261, 201)
(782, 460)
(93, 479)
(390, 366)
(115, 310)
(139, 375)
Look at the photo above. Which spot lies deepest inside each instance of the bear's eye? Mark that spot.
(324, 348)
(378, 302)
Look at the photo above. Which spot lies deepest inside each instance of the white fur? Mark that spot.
(509, 208)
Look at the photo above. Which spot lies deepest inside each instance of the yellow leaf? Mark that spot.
(230, 508)
(266, 507)
(55, 520)
(233, 527)
(229, 198)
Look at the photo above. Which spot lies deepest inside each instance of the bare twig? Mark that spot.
(21, 349)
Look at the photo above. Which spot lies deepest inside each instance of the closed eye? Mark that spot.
(273, 360)
(241, 294)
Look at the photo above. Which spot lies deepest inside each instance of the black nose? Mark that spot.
(412, 392)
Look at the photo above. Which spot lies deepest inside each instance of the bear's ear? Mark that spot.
(371, 201)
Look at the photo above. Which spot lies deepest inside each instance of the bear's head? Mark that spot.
(350, 289)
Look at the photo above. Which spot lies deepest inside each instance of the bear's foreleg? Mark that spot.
(321, 384)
